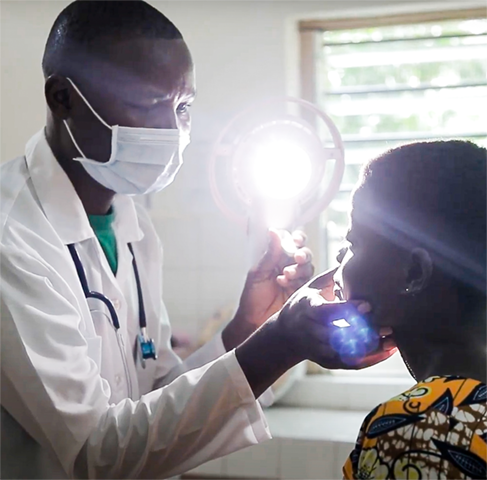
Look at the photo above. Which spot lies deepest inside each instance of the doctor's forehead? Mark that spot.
(141, 67)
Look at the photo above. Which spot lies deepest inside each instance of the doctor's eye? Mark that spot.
(341, 254)
(183, 107)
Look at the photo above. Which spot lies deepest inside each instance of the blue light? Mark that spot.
(354, 342)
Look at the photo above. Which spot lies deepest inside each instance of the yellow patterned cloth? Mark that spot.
(437, 429)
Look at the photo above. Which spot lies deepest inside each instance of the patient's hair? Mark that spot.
(433, 194)
(86, 26)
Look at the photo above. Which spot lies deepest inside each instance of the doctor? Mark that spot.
(90, 385)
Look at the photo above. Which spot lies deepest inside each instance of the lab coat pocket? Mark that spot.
(94, 350)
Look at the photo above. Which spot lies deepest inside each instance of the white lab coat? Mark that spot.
(79, 404)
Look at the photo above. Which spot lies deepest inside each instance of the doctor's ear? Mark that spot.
(419, 272)
(58, 96)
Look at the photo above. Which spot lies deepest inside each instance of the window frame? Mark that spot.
(309, 45)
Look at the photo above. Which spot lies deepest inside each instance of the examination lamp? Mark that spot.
(279, 164)
(271, 167)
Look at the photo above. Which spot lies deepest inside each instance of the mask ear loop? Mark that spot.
(92, 110)
(88, 104)
(73, 140)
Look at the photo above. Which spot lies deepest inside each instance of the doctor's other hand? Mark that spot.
(304, 330)
(308, 325)
(270, 284)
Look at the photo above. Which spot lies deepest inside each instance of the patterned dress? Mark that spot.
(437, 429)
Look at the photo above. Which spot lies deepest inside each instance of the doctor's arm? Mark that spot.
(203, 414)
(267, 287)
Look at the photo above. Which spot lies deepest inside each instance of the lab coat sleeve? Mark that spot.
(207, 353)
(203, 414)
(169, 365)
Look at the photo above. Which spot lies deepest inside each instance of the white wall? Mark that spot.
(244, 51)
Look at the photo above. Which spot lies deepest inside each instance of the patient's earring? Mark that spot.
(409, 291)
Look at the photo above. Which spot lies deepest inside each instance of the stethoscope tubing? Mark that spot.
(147, 348)
(103, 298)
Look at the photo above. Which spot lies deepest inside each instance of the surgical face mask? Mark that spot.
(142, 160)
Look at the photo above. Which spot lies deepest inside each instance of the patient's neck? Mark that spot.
(461, 352)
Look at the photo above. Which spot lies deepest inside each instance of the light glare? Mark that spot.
(281, 170)
(342, 323)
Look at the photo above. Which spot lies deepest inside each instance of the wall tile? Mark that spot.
(341, 452)
(259, 461)
(224, 244)
(181, 241)
(313, 394)
(214, 467)
(181, 295)
(302, 459)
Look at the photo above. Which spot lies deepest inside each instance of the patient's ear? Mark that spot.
(419, 271)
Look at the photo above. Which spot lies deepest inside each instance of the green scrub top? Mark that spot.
(102, 226)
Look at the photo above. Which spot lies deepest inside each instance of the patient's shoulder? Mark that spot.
(447, 395)
(439, 423)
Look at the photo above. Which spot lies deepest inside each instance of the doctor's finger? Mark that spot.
(384, 351)
(315, 308)
(294, 284)
(323, 280)
(299, 238)
(294, 272)
(303, 255)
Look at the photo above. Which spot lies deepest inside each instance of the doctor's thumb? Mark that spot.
(273, 253)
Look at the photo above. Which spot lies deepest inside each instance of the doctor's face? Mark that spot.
(137, 83)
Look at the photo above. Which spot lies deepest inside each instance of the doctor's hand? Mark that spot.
(269, 285)
(304, 330)
(307, 326)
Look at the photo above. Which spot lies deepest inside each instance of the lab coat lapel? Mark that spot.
(61, 204)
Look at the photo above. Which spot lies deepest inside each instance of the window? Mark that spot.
(389, 81)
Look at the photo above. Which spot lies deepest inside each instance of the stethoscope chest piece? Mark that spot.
(147, 348)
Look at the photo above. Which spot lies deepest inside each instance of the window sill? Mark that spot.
(343, 392)
(313, 440)
(306, 444)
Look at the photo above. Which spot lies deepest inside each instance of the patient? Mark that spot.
(417, 253)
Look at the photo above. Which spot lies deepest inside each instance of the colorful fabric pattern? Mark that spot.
(437, 429)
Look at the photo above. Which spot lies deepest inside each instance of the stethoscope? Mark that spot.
(146, 344)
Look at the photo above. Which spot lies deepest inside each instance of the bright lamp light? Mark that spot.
(272, 158)
(281, 170)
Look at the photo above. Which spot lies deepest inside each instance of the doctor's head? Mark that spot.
(128, 61)
(417, 240)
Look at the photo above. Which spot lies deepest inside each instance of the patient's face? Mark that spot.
(373, 269)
